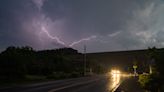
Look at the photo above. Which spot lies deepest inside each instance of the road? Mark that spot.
(85, 84)
(130, 85)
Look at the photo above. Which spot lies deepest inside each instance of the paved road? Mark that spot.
(130, 85)
(86, 84)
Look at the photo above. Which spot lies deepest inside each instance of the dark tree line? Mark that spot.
(18, 62)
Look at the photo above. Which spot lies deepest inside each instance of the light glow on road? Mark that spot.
(115, 78)
(114, 72)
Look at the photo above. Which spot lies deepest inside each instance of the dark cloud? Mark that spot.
(100, 17)
(117, 24)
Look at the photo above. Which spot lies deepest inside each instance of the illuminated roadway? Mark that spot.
(85, 84)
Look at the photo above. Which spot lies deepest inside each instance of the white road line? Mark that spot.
(114, 89)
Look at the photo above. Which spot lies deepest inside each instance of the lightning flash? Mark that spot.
(44, 30)
(52, 37)
(39, 4)
(81, 40)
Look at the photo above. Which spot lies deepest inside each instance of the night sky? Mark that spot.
(101, 25)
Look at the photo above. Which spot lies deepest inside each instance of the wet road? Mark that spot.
(130, 85)
(85, 84)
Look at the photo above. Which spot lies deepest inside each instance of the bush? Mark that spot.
(144, 80)
(149, 82)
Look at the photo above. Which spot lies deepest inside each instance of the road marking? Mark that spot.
(72, 85)
(115, 88)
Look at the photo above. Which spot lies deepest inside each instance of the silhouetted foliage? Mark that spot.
(16, 62)
(20, 62)
(154, 82)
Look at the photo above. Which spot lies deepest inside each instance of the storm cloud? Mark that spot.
(101, 25)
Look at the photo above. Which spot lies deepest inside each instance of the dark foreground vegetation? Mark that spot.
(25, 64)
(154, 81)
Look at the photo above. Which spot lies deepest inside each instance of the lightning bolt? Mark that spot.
(52, 37)
(39, 4)
(81, 40)
(44, 30)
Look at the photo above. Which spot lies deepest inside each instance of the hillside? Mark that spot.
(121, 59)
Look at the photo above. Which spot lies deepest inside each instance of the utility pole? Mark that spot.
(84, 60)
